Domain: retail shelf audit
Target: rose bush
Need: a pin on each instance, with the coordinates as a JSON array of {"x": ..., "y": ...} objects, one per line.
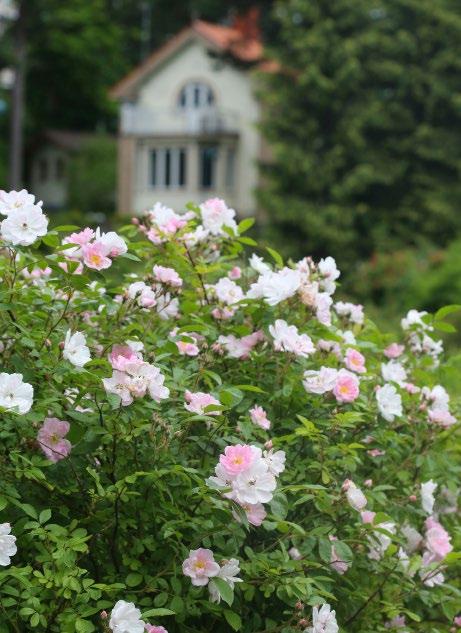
[{"x": 206, "y": 444}]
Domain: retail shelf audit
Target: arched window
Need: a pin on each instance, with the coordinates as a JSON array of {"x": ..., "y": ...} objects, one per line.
[{"x": 195, "y": 95}]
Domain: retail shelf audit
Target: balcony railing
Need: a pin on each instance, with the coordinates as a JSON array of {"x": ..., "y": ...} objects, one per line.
[{"x": 142, "y": 120}]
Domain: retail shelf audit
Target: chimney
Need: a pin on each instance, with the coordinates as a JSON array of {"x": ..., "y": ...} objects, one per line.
[{"x": 248, "y": 24}]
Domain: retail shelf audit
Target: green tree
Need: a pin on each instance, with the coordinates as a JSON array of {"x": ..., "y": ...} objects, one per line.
[{"x": 364, "y": 121}]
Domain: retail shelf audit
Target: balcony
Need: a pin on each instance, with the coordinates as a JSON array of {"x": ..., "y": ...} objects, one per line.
[{"x": 146, "y": 121}]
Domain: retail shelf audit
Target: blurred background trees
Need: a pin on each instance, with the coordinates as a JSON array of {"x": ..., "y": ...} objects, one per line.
[{"x": 365, "y": 123}]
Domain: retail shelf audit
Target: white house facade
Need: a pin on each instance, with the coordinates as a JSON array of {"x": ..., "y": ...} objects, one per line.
[{"x": 188, "y": 122}]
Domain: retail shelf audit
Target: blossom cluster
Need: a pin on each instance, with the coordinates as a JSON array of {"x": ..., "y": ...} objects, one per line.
[
  {"x": 333, "y": 448},
  {"x": 248, "y": 476}
]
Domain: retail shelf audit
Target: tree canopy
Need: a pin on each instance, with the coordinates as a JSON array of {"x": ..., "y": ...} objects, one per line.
[{"x": 364, "y": 121}]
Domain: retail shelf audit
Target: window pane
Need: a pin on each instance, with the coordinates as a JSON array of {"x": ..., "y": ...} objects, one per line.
[
  {"x": 153, "y": 168},
  {"x": 208, "y": 157},
  {"x": 167, "y": 168},
  {"x": 182, "y": 167}
]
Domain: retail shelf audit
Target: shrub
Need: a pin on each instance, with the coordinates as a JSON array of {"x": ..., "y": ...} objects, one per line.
[{"x": 214, "y": 446}]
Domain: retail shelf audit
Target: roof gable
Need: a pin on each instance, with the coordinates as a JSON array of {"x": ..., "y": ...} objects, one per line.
[{"x": 224, "y": 39}]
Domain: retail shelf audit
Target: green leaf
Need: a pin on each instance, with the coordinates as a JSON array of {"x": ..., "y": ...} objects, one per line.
[
  {"x": 45, "y": 515},
  {"x": 276, "y": 256},
  {"x": 443, "y": 326},
  {"x": 133, "y": 579},
  {"x": 446, "y": 310},
  {"x": 245, "y": 224},
  {"x": 225, "y": 590},
  {"x": 158, "y": 613},
  {"x": 233, "y": 619}
]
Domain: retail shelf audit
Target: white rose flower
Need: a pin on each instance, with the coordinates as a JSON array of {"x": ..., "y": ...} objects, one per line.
[
  {"x": 355, "y": 497},
  {"x": 389, "y": 402},
  {"x": 24, "y": 225},
  {"x": 258, "y": 264},
  {"x": 229, "y": 573},
  {"x": 126, "y": 618},
  {"x": 323, "y": 620},
  {"x": 320, "y": 381},
  {"x": 427, "y": 496},
  {"x": 227, "y": 291},
  {"x": 393, "y": 371},
  {"x": 255, "y": 485},
  {"x": 7, "y": 544},
  {"x": 75, "y": 349},
  {"x": 15, "y": 395},
  {"x": 13, "y": 200}
]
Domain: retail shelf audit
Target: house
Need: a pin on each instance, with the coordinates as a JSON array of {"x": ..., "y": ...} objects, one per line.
[
  {"x": 49, "y": 165},
  {"x": 188, "y": 120}
]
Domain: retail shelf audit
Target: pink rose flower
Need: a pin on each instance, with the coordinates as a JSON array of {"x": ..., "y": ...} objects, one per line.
[
  {"x": 167, "y": 276},
  {"x": 368, "y": 516},
  {"x": 123, "y": 356},
  {"x": 394, "y": 350},
  {"x": 355, "y": 361},
  {"x": 151, "y": 628},
  {"x": 339, "y": 565},
  {"x": 437, "y": 540},
  {"x": 441, "y": 417},
  {"x": 95, "y": 256},
  {"x": 235, "y": 273},
  {"x": 346, "y": 388},
  {"x": 255, "y": 513},
  {"x": 187, "y": 349},
  {"x": 197, "y": 402},
  {"x": 200, "y": 566},
  {"x": 259, "y": 416},
  {"x": 236, "y": 459},
  {"x": 51, "y": 438}
]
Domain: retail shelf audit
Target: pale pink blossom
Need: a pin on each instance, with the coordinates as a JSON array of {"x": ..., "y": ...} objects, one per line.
[
  {"x": 51, "y": 438},
  {"x": 259, "y": 417},
  {"x": 95, "y": 256},
  {"x": 235, "y": 273},
  {"x": 113, "y": 244},
  {"x": 367, "y": 516},
  {"x": 187, "y": 348},
  {"x": 437, "y": 540},
  {"x": 441, "y": 418},
  {"x": 199, "y": 401},
  {"x": 167, "y": 276},
  {"x": 255, "y": 513},
  {"x": 275, "y": 461},
  {"x": 339, "y": 565},
  {"x": 240, "y": 347},
  {"x": 346, "y": 387},
  {"x": 122, "y": 356},
  {"x": 200, "y": 566},
  {"x": 287, "y": 339},
  {"x": 355, "y": 361},
  {"x": 376, "y": 452},
  {"x": 238, "y": 458},
  {"x": 216, "y": 215},
  {"x": 394, "y": 350},
  {"x": 151, "y": 628}
]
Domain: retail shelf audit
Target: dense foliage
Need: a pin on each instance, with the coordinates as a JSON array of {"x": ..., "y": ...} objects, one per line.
[
  {"x": 364, "y": 119},
  {"x": 207, "y": 445}
]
